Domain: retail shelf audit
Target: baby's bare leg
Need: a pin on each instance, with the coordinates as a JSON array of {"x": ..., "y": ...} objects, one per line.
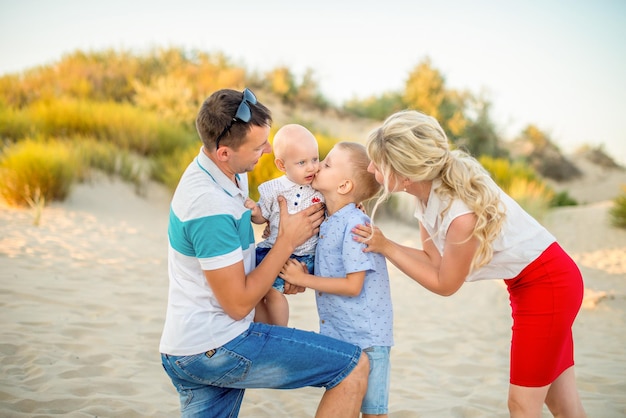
[{"x": 273, "y": 309}]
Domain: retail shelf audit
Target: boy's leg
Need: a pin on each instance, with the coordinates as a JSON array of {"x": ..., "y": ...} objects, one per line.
[{"x": 376, "y": 401}]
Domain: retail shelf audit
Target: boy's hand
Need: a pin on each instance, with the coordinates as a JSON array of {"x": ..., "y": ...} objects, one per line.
[{"x": 294, "y": 272}]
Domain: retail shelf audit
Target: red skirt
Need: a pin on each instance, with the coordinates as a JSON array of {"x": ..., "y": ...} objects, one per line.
[{"x": 545, "y": 299}]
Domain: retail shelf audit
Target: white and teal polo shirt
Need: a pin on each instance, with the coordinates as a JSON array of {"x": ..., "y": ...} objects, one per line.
[{"x": 209, "y": 228}]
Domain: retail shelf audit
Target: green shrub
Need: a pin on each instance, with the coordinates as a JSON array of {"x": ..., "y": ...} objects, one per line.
[
  {"x": 169, "y": 168},
  {"x": 35, "y": 171},
  {"x": 563, "y": 199},
  {"x": 534, "y": 196},
  {"x": 128, "y": 127},
  {"x": 617, "y": 213},
  {"x": 522, "y": 183},
  {"x": 13, "y": 123},
  {"x": 108, "y": 158}
]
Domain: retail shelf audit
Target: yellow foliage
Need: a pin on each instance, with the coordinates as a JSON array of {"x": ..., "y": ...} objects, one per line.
[{"x": 33, "y": 172}]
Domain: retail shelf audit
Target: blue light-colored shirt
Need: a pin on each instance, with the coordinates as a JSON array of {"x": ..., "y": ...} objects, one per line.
[{"x": 366, "y": 319}]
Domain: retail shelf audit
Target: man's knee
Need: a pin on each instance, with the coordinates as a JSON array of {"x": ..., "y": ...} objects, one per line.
[
  {"x": 364, "y": 364},
  {"x": 361, "y": 372}
]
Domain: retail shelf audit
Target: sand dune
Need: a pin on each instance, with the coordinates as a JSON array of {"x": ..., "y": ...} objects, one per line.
[{"x": 83, "y": 298}]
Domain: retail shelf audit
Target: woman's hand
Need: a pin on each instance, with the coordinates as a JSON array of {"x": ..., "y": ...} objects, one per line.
[{"x": 373, "y": 238}]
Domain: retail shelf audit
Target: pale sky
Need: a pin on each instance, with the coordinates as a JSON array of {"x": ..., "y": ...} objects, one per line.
[{"x": 558, "y": 64}]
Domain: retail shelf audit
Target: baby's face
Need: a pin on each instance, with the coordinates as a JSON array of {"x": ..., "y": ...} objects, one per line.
[{"x": 301, "y": 162}]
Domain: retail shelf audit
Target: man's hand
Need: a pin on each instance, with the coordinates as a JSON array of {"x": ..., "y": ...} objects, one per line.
[
  {"x": 296, "y": 228},
  {"x": 292, "y": 289}
]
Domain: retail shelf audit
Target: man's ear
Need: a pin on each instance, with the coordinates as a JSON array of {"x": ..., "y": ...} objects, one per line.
[
  {"x": 280, "y": 164},
  {"x": 345, "y": 187},
  {"x": 223, "y": 153}
]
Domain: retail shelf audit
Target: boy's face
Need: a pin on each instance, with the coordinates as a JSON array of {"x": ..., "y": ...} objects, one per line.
[
  {"x": 300, "y": 162},
  {"x": 333, "y": 172}
]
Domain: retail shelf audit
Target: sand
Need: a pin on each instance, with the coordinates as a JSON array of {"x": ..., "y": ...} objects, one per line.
[{"x": 83, "y": 299}]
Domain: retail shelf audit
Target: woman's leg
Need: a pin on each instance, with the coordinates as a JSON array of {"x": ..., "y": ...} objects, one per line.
[
  {"x": 526, "y": 402},
  {"x": 563, "y": 399}
]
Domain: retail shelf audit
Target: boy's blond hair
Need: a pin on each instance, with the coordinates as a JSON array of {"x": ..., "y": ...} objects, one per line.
[{"x": 365, "y": 184}]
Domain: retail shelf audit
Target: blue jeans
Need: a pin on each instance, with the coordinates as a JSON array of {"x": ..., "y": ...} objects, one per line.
[
  {"x": 279, "y": 284},
  {"x": 212, "y": 384},
  {"x": 376, "y": 399}
]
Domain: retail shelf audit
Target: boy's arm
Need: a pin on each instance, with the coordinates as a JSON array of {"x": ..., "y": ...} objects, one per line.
[
  {"x": 239, "y": 293},
  {"x": 351, "y": 285}
]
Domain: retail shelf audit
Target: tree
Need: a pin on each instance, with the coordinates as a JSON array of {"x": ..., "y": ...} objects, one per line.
[{"x": 424, "y": 89}]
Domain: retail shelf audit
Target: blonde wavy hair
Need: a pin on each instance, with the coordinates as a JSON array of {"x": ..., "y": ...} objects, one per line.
[{"x": 412, "y": 145}]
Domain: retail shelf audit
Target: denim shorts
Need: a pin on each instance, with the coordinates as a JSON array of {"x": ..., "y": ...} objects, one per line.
[
  {"x": 376, "y": 399},
  {"x": 279, "y": 284},
  {"x": 264, "y": 356}
]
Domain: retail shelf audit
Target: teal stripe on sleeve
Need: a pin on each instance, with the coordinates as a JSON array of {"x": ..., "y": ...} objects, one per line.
[{"x": 210, "y": 236}]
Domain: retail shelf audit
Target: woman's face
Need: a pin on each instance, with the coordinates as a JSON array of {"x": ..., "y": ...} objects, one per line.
[{"x": 393, "y": 185}]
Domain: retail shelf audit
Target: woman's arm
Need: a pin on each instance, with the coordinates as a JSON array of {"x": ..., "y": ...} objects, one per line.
[{"x": 442, "y": 274}]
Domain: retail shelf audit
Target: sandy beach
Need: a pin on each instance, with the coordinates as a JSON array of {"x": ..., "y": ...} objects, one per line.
[{"x": 83, "y": 299}]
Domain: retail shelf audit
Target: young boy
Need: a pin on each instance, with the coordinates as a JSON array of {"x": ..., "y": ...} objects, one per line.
[
  {"x": 297, "y": 155},
  {"x": 352, "y": 286}
]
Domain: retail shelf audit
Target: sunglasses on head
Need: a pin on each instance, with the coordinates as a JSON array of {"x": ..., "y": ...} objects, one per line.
[{"x": 243, "y": 114}]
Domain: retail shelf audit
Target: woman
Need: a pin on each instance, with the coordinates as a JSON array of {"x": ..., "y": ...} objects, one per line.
[{"x": 471, "y": 230}]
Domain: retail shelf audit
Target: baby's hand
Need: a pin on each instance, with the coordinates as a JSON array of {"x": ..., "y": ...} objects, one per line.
[
  {"x": 250, "y": 204},
  {"x": 256, "y": 215}
]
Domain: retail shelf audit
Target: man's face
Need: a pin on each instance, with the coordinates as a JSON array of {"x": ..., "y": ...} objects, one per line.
[{"x": 255, "y": 144}]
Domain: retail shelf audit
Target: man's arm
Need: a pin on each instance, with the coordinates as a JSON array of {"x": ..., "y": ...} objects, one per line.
[{"x": 239, "y": 293}]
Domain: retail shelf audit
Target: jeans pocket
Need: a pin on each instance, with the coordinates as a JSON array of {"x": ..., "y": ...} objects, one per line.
[{"x": 223, "y": 369}]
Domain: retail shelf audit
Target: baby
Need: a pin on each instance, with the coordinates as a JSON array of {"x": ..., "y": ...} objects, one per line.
[{"x": 297, "y": 155}]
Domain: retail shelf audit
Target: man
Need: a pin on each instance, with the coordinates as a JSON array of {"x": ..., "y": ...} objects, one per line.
[{"x": 211, "y": 348}]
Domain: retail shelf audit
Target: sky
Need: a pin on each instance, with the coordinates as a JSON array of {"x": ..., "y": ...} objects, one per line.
[{"x": 557, "y": 64}]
